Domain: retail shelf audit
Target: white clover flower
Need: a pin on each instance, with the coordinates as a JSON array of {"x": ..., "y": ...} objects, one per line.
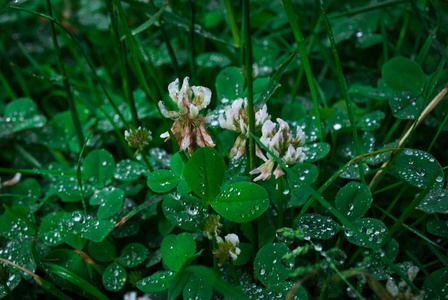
[
  {"x": 189, "y": 126},
  {"x": 227, "y": 249},
  {"x": 281, "y": 143},
  {"x": 237, "y": 119}
]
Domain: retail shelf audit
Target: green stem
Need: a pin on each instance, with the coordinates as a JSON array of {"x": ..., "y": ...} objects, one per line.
[
  {"x": 250, "y": 91},
  {"x": 214, "y": 245},
  {"x": 289, "y": 9},
  {"x": 192, "y": 40},
  {"x": 234, "y": 275},
  {"x": 344, "y": 88},
  {"x": 70, "y": 100},
  {"x": 280, "y": 201},
  {"x": 147, "y": 163},
  {"x": 233, "y": 26}
]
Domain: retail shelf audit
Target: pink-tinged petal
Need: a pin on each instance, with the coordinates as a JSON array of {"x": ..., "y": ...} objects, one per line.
[
  {"x": 260, "y": 154},
  {"x": 13, "y": 181},
  {"x": 207, "y": 138},
  {"x": 166, "y": 113},
  {"x": 278, "y": 172},
  {"x": 184, "y": 97},
  {"x": 185, "y": 143},
  {"x": 239, "y": 148},
  {"x": 265, "y": 170}
]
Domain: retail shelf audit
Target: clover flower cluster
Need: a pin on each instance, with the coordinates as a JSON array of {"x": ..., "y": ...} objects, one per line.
[
  {"x": 189, "y": 126},
  {"x": 280, "y": 141},
  {"x": 138, "y": 138},
  {"x": 403, "y": 290},
  {"x": 227, "y": 248}
]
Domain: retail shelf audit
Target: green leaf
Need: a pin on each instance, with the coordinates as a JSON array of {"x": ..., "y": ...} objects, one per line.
[
  {"x": 177, "y": 164},
  {"x": 318, "y": 226},
  {"x": 419, "y": 168},
  {"x": 304, "y": 173},
  {"x": 198, "y": 288},
  {"x": 245, "y": 255},
  {"x": 353, "y": 200},
  {"x": 52, "y": 231},
  {"x": 403, "y": 74},
  {"x": 269, "y": 265},
  {"x": 177, "y": 249},
  {"x": 128, "y": 170},
  {"x": 110, "y": 201},
  {"x": 367, "y": 91},
  {"x": 374, "y": 229},
  {"x": 23, "y": 114},
  {"x": 436, "y": 285},
  {"x": 438, "y": 227},
  {"x": 218, "y": 284},
  {"x": 186, "y": 211},
  {"x": 162, "y": 181},
  {"x": 27, "y": 191},
  {"x": 103, "y": 251},
  {"x": 281, "y": 290},
  {"x": 95, "y": 230},
  {"x": 317, "y": 151},
  {"x": 133, "y": 255},
  {"x": 352, "y": 171},
  {"x": 230, "y": 84},
  {"x": 371, "y": 121},
  {"x": 99, "y": 167},
  {"x": 17, "y": 223},
  {"x": 241, "y": 202},
  {"x": 406, "y": 105},
  {"x": 157, "y": 282},
  {"x": 436, "y": 201},
  {"x": 212, "y": 60},
  {"x": 310, "y": 127},
  {"x": 114, "y": 277},
  {"x": 204, "y": 172}
]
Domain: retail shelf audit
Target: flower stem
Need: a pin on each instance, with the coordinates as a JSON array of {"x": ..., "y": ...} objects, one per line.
[
  {"x": 147, "y": 163},
  {"x": 215, "y": 261},
  {"x": 250, "y": 92},
  {"x": 280, "y": 201},
  {"x": 233, "y": 271},
  {"x": 65, "y": 81}
]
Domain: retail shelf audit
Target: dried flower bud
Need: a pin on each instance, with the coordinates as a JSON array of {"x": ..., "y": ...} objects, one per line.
[
  {"x": 391, "y": 287},
  {"x": 138, "y": 138},
  {"x": 211, "y": 227}
]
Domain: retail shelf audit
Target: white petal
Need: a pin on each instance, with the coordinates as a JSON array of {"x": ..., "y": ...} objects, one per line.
[
  {"x": 202, "y": 96},
  {"x": 173, "y": 89},
  {"x": 164, "y": 135},
  {"x": 232, "y": 238},
  {"x": 194, "y": 111}
]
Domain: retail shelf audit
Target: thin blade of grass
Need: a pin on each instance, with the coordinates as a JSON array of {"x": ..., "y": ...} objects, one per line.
[
  {"x": 289, "y": 9},
  {"x": 273, "y": 82},
  {"x": 344, "y": 88}
]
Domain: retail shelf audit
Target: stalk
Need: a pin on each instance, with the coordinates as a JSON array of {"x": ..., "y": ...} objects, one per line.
[
  {"x": 280, "y": 201},
  {"x": 70, "y": 100}
]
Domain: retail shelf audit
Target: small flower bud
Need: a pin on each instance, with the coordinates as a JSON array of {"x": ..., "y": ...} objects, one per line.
[
  {"x": 227, "y": 249},
  {"x": 391, "y": 287},
  {"x": 211, "y": 227},
  {"x": 138, "y": 138}
]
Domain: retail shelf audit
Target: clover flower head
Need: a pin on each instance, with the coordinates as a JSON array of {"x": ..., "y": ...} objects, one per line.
[
  {"x": 189, "y": 125},
  {"x": 237, "y": 119},
  {"x": 281, "y": 142},
  {"x": 227, "y": 249},
  {"x": 138, "y": 138},
  {"x": 211, "y": 227}
]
